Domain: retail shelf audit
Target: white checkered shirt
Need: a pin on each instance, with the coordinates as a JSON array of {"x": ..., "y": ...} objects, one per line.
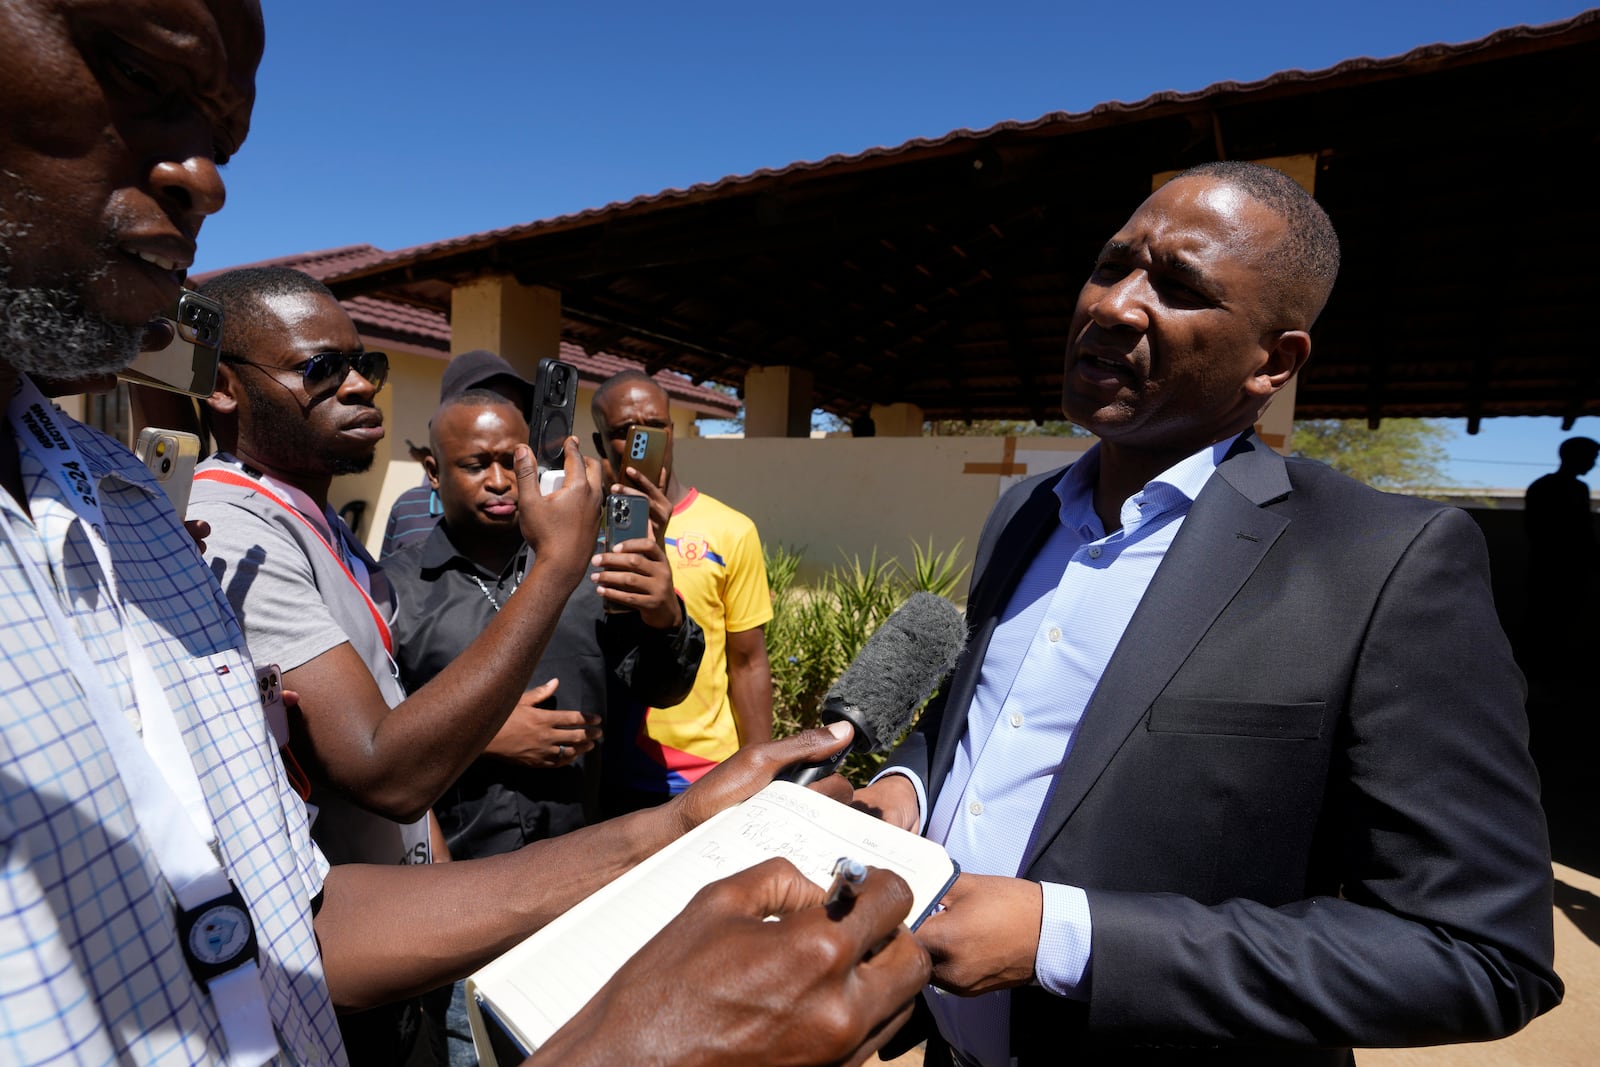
[{"x": 90, "y": 968}]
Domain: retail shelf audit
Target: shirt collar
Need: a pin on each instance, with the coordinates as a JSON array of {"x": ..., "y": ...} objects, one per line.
[
  {"x": 439, "y": 553},
  {"x": 1178, "y": 485}
]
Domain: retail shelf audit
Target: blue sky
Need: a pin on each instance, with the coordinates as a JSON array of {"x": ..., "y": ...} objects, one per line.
[{"x": 397, "y": 122}]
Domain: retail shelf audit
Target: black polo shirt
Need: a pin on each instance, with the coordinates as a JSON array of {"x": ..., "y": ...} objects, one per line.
[{"x": 602, "y": 660}]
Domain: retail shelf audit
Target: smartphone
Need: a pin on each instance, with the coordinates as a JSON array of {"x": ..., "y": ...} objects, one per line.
[
  {"x": 627, "y": 517},
  {"x": 188, "y": 363},
  {"x": 644, "y": 449},
  {"x": 170, "y": 455},
  {"x": 269, "y": 680},
  {"x": 555, "y": 404}
]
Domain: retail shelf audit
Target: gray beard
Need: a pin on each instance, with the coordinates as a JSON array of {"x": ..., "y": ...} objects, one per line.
[{"x": 49, "y": 333}]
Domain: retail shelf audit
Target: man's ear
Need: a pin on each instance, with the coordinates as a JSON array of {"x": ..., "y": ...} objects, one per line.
[
  {"x": 430, "y": 467},
  {"x": 600, "y": 446},
  {"x": 224, "y": 398},
  {"x": 1285, "y": 355}
]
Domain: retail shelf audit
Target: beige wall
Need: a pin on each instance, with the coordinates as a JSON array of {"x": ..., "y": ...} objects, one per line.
[
  {"x": 407, "y": 402},
  {"x": 846, "y": 494},
  {"x": 826, "y": 496}
]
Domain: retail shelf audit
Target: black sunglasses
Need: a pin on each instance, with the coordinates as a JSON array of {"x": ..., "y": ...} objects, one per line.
[{"x": 329, "y": 368}]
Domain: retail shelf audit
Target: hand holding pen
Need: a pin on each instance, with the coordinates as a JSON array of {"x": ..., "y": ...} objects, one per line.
[
  {"x": 814, "y": 987},
  {"x": 848, "y": 877}
]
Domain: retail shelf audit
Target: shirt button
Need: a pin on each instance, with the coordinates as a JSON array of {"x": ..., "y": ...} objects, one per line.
[
  {"x": 976, "y": 807},
  {"x": 1094, "y": 552},
  {"x": 1054, "y": 635},
  {"x": 1016, "y": 718}
]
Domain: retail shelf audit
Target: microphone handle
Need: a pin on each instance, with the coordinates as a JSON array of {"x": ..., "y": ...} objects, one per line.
[{"x": 806, "y": 773}]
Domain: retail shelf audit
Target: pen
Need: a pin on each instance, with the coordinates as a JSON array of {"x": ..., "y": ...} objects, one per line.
[{"x": 848, "y": 875}]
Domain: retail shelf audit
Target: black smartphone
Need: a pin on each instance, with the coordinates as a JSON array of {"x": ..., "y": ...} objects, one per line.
[
  {"x": 627, "y": 518},
  {"x": 555, "y": 404},
  {"x": 188, "y": 362},
  {"x": 645, "y": 449}
]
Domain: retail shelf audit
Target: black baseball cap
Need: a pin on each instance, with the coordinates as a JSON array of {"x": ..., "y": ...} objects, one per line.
[{"x": 481, "y": 368}]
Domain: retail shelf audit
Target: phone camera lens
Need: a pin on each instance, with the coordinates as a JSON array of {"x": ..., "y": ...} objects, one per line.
[{"x": 166, "y": 466}]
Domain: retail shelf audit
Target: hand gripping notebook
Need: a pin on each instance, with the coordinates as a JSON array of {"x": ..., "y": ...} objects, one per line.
[{"x": 518, "y": 1000}]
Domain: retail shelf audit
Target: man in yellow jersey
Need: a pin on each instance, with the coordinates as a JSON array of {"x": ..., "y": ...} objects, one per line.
[{"x": 718, "y": 570}]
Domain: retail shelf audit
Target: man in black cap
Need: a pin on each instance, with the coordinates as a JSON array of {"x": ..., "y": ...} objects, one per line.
[{"x": 416, "y": 511}]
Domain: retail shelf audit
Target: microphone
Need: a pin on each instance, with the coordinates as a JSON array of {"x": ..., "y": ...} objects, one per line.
[{"x": 896, "y": 670}]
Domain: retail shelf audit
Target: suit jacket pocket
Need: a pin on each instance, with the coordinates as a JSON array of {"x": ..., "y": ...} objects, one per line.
[{"x": 1191, "y": 715}]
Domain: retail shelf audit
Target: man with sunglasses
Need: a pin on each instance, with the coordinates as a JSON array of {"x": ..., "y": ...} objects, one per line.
[{"x": 295, "y": 405}]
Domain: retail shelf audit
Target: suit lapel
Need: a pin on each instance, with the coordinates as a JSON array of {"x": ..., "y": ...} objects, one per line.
[
  {"x": 1222, "y": 540},
  {"x": 994, "y": 579}
]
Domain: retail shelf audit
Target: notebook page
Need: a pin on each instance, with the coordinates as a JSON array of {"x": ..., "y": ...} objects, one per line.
[{"x": 540, "y": 984}]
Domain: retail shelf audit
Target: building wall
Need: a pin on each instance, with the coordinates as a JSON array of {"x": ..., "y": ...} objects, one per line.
[{"x": 839, "y": 497}]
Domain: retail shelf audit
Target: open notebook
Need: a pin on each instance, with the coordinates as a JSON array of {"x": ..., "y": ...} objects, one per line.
[{"x": 518, "y": 1000}]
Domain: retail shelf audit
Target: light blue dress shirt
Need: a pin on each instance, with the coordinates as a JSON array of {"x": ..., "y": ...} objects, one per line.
[{"x": 1048, "y": 651}]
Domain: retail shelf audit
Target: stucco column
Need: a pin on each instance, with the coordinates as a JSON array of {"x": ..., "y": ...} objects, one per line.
[
  {"x": 897, "y": 420},
  {"x": 521, "y": 323},
  {"x": 777, "y": 402}
]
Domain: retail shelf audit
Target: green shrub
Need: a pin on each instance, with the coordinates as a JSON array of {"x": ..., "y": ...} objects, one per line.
[{"x": 817, "y": 630}]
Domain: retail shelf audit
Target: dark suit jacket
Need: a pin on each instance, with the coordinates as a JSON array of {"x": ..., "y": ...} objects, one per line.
[{"x": 1301, "y": 801}]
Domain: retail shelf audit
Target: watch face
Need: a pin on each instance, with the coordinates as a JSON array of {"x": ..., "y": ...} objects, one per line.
[{"x": 220, "y": 934}]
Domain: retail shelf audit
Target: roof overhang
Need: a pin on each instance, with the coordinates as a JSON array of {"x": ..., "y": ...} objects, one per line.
[{"x": 942, "y": 272}]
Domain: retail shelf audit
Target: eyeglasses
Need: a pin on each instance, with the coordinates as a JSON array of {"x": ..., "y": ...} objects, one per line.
[{"x": 328, "y": 369}]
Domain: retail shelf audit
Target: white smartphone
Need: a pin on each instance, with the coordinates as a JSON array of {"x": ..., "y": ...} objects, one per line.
[
  {"x": 270, "y": 680},
  {"x": 170, "y": 455}
]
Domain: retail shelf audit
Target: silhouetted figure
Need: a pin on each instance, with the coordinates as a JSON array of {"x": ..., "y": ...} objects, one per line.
[{"x": 1562, "y": 559}]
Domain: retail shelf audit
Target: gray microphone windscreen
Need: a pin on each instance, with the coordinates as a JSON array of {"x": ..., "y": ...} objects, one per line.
[{"x": 898, "y": 668}]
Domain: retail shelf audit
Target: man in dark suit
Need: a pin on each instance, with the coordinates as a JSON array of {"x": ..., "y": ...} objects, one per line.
[{"x": 1236, "y": 763}]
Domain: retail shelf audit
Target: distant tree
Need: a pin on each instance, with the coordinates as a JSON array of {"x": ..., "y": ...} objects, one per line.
[
  {"x": 1003, "y": 428},
  {"x": 1401, "y": 455}
]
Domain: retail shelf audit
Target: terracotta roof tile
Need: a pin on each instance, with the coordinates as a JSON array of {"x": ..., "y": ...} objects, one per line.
[{"x": 427, "y": 329}]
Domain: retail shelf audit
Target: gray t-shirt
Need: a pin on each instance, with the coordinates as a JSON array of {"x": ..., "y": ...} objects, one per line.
[{"x": 296, "y": 600}]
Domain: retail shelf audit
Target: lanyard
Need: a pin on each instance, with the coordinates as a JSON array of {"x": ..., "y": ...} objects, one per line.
[
  {"x": 233, "y": 478},
  {"x": 158, "y": 773}
]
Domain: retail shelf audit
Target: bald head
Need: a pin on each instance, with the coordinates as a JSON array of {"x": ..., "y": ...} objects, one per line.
[
  {"x": 618, "y": 385},
  {"x": 475, "y": 398}
]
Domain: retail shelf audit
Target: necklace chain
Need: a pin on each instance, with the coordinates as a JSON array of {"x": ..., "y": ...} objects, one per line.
[
  {"x": 486, "y": 594},
  {"x": 484, "y": 589}
]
